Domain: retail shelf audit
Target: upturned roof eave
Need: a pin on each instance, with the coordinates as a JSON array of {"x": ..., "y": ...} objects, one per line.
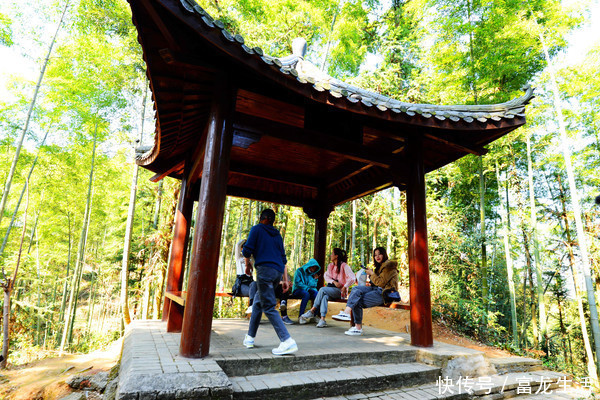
[{"x": 331, "y": 91}]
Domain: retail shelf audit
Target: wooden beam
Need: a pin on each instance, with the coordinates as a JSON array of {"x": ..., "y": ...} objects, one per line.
[
  {"x": 273, "y": 175},
  {"x": 478, "y": 151},
  {"x": 346, "y": 172},
  {"x": 260, "y": 195},
  {"x": 161, "y": 175},
  {"x": 268, "y": 108},
  {"x": 185, "y": 61},
  {"x": 166, "y": 32},
  {"x": 318, "y": 140},
  {"x": 364, "y": 188},
  {"x": 393, "y": 133}
]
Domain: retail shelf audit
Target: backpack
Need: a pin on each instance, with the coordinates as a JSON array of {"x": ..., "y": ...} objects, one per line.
[{"x": 240, "y": 280}]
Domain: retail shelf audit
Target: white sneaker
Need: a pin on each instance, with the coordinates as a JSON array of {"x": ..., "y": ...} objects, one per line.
[
  {"x": 308, "y": 314},
  {"x": 342, "y": 316},
  {"x": 288, "y": 346},
  {"x": 354, "y": 332},
  {"x": 302, "y": 320},
  {"x": 249, "y": 310},
  {"x": 248, "y": 341},
  {"x": 322, "y": 324}
]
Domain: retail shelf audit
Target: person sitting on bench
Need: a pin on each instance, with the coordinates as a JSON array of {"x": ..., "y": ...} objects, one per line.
[
  {"x": 243, "y": 281},
  {"x": 305, "y": 283},
  {"x": 339, "y": 277},
  {"x": 384, "y": 278}
]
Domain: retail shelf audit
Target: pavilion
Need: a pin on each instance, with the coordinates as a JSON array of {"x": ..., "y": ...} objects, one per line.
[{"x": 231, "y": 120}]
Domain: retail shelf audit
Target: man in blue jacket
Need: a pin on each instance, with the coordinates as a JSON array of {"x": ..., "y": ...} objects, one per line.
[{"x": 266, "y": 245}]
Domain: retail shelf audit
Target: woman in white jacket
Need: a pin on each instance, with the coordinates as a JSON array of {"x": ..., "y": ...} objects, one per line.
[{"x": 339, "y": 277}]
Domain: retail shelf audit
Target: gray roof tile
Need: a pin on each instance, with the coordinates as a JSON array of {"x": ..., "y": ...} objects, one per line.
[{"x": 307, "y": 73}]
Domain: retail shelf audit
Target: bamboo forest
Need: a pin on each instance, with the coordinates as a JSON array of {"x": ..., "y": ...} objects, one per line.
[{"x": 513, "y": 234}]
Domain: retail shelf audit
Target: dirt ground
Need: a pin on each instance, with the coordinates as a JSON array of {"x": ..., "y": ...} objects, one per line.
[{"x": 45, "y": 379}]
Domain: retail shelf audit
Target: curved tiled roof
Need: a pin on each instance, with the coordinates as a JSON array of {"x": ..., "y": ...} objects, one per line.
[
  {"x": 307, "y": 74},
  {"x": 187, "y": 51}
]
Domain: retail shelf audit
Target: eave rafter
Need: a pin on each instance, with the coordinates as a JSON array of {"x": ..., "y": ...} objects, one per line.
[{"x": 318, "y": 140}]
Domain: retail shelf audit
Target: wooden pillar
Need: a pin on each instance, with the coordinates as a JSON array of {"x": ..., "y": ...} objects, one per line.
[
  {"x": 421, "y": 333},
  {"x": 197, "y": 321},
  {"x": 320, "y": 214},
  {"x": 173, "y": 312}
]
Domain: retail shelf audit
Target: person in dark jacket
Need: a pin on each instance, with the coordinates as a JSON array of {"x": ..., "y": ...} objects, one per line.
[
  {"x": 266, "y": 245},
  {"x": 305, "y": 283}
]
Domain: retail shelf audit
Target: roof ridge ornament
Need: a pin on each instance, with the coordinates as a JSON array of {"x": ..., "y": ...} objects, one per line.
[{"x": 299, "y": 47}]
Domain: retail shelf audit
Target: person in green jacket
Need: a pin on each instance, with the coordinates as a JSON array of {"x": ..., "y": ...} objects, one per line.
[{"x": 305, "y": 283}]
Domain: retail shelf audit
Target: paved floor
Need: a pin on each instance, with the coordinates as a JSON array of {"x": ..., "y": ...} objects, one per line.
[
  {"x": 154, "y": 343},
  {"x": 151, "y": 367}
]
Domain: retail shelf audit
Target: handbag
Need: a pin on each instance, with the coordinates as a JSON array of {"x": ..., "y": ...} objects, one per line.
[
  {"x": 240, "y": 280},
  {"x": 390, "y": 296}
]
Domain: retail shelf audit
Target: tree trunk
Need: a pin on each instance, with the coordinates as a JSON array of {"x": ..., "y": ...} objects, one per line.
[
  {"x": 35, "y": 223},
  {"x": 591, "y": 365},
  {"x": 567, "y": 352},
  {"x": 8, "y": 287},
  {"x": 14, "y": 216},
  {"x": 91, "y": 301},
  {"x": 158, "y": 203},
  {"x": 72, "y": 307},
  {"x": 66, "y": 285},
  {"x": 39, "y": 288},
  {"x": 146, "y": 297},
  {"x": 224, "y": 233},
  {"x": 375, "y": 221},
  {"x": 581, "y": 238},
  {"x": 129, "y": 226},
  {"x": 294, "y": 254},
  {"x": 483, "y": 272},
  {"x": 284, "y": 222},
  {"x": 5, "y": 325},
  {"x": 127, "y": 247},
  {"x": 13, "y": 166},
  {"x": 543, "y": 338},
  {"x": 509, "y": 264}
]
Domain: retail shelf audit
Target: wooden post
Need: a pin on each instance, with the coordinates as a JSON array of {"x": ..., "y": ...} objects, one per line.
[
  {"x": 320, "y": 214},
  {"x": 421, "y": 333},
  {"x": 197, "y": 320},
  {"x": 321, "y": 244},
  {"x": 173, "y": 312}
]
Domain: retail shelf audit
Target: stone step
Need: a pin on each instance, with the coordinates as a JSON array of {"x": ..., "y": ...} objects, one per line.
[
  {"x": 515, "y": 364},
  {"x": 560, "y": 394},
  {"x": 340, "y": 381},
  {"x": 431, "y": 392},
  {"x": 548, "y": 385},
  {"x": 427, "y": 391},
  {"x": 246, "y": 363}
]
